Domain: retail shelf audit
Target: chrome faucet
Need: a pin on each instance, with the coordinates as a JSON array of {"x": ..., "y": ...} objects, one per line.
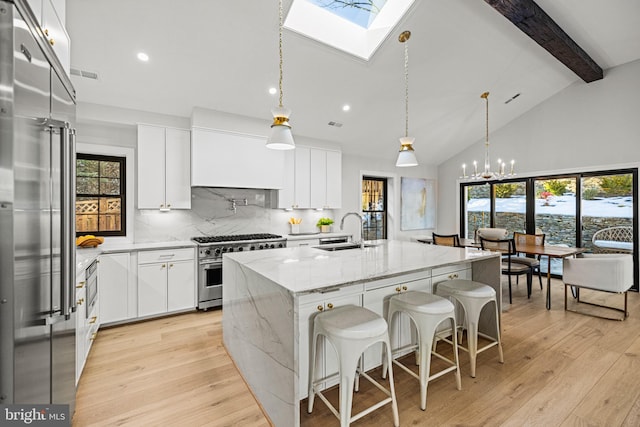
[{"x": 361, "y": 225}]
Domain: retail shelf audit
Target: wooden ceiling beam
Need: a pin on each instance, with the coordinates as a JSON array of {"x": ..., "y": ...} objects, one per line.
[{"x": 534, "y": 22}]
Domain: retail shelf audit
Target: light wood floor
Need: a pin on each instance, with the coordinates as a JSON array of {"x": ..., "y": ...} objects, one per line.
[{"x": 561, "y": 369}]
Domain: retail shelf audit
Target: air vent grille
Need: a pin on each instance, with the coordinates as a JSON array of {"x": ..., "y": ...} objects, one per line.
[{"x": 84, "y": 73}]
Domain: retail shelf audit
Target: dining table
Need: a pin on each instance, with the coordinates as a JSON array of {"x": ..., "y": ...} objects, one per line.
[{"x": 550, "y": 251}]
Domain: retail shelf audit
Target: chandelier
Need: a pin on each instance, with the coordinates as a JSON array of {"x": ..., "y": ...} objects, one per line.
[
  {"x": 280, "y": 137},
  {"x": 487, "y": 173},
  {"x": 406, "y": 156}
]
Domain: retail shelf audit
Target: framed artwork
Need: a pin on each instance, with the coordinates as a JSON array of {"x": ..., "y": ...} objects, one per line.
[{"x": 417, "y": 204}]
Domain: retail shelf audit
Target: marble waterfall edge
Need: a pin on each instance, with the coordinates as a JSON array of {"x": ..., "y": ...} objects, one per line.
[{"x": 257, "y": 315}]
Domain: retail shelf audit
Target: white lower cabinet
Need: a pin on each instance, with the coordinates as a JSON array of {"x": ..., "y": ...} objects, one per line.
[
  {"x": 115, "y": 290},
  {"x": 87, "y": 324},
  {"x": 442, "y": 274},
  {"x": 326, "y": 362},
  {"x": 166, "y": 281},
  {"x": 80, "y": 324},
  {"x": 377, "y": 300}
]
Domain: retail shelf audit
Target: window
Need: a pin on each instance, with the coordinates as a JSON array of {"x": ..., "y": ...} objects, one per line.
[
  {"x": 569, "y": 208},
  {"x": 374, "y": 207},
  {"x": 100, "y": 195}
]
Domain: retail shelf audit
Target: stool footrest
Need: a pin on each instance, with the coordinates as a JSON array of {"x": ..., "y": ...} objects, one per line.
[
  {"x": 438, "y": 374},
  {"x": 404, "y": 349},
  {"x": 493, "y": 343},
  {"x": 361, "y": 414}
]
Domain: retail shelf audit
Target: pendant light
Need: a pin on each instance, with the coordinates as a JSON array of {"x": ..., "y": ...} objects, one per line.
[
  {"x": 486, "y": 173},
  {"x": 406, "y": 156},
  {"x": 280, "y": 137}
]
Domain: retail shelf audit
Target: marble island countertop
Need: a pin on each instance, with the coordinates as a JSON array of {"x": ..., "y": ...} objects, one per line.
[{"x": 308, "y": 269}]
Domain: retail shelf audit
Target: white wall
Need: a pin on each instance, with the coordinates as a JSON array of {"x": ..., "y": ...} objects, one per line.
[
  {"x": 355, "y": 167},
  {"x": 593, "y": 126},
  {"x": 109, "y": 126}
]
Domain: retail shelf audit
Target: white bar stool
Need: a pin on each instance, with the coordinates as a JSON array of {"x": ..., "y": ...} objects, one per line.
[
  {"x": 473, "y": 296},
  {"x": 350, "y": 330},
  {"x": 426, "y": 312}
]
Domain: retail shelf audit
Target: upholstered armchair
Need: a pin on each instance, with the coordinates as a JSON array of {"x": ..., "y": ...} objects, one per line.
[{"x": 611, "y": 273}]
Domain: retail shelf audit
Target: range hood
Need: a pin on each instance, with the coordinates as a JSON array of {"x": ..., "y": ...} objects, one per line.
[{"x": 234, "y": 160}]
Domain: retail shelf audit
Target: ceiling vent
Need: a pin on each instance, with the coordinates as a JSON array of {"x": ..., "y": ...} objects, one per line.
[
  {"x": 512, "y": 98},
  {"x": 335, "y": 124},
  {"x": 84, "y": 73}
]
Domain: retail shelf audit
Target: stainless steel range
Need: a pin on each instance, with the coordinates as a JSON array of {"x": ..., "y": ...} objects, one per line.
[{"x": 210, "y": 251}]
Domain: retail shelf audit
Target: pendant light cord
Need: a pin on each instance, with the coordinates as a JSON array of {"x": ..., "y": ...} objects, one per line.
[
  {"x": 406, "y": 87},
  {"x": 280, "y": 51},
  {"x": 486, "y": 98}
]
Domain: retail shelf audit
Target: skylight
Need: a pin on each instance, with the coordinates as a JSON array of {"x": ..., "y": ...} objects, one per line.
[
  {"x": 359, "y": 12},
  {"x": 357, "y": 27}
]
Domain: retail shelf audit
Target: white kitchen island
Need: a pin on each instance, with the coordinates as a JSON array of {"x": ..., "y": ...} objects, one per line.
[{"x": 269, "y": 299}]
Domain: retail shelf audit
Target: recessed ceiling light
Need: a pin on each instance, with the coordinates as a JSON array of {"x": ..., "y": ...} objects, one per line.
[
  {"x": 346, "y": 107},
  {"x": 143, "y": 56},
  {"x": 273, "y": 90}
]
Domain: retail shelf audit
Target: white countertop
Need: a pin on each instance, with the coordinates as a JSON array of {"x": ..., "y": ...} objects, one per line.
[
  {"x": 307, "y": 269},
  {"x": 315, "y": 235},
  {"x": 85, "y": 256}
]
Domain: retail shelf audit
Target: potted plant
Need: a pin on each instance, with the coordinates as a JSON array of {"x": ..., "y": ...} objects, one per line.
[{"x": 324, "y": 224}]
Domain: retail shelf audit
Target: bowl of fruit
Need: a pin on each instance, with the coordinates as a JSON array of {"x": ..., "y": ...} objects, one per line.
[{"x": 89, "y": 241}]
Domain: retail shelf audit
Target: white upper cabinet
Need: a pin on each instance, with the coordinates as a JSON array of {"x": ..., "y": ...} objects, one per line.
[
  {"x": 163, "y": 168},
  {"x": 302, "y": 178},
  {"x": 317, "y": 180},
  {"x": 50, "y": 15},
  {"x": 334, "y": 179},
  {"x": 227, "y": 159}
]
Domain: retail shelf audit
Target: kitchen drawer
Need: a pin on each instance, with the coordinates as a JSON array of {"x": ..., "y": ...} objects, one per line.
[
  {"x": 330, "y": 293},
  {"x": 449, "y": 269},
  {"x": 165, "y": 255}
]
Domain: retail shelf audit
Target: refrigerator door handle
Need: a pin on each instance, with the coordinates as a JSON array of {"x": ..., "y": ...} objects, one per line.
[{"x": 67, "y": 287}]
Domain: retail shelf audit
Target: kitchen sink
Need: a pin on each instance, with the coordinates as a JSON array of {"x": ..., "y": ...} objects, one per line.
[{"x": 343, "y": 246}]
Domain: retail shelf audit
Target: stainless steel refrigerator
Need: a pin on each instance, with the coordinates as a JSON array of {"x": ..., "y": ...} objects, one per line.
[{"x": 37, "y": 230}]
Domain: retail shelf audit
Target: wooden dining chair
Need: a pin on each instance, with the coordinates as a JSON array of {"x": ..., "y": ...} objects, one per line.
[
  {"x": 532, "y": 261},
  {"x": 508, "y": 249},
  {"x": 446, "y": 239}
]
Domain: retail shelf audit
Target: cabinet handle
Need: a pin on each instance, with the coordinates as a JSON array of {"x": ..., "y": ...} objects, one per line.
[
  {"x": 404, "y": 288},
  {"x": 80, "y": 301},
  {"x": 164, "y": 266},
  {"x": 329, "y": 306},
  {"x": 398, "y": 289},
  {"x": 170, "y": 265},
  {"x": 320, "y": 308},
  {"x": 46, "y": 32},
  {"x": 93, "y": 336},
  {"x": 453, "y": 276},
  {"x": 52, "y": 42},
  {"x": 168, "y": 206},
  {"x": 93, "y": 320},
  {"x": 162, "y": 206},
  {"x": 80, "y": 285}
]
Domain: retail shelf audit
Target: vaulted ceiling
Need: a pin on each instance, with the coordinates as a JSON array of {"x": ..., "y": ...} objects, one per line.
[{"x": 224, "y": 56}]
